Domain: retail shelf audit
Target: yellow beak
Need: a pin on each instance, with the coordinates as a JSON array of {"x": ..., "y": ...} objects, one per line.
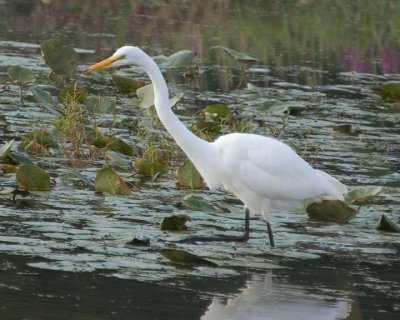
[{"x": 102, "y": 64}]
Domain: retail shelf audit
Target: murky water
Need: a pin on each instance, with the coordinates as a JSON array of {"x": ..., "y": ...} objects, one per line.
[{"x": 65, "y": 253}]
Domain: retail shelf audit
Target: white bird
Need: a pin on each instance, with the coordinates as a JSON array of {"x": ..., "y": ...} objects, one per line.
[{"x": 264, "y": 173}]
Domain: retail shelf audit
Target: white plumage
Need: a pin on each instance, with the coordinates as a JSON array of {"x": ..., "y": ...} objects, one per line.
[{"x": 264, "y": 173}]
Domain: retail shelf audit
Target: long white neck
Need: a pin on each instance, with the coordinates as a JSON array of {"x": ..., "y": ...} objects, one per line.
[{"x": 200, "y": 152}]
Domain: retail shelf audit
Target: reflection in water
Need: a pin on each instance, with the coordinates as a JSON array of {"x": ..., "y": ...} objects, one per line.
[{"x": 262, "y": 298}]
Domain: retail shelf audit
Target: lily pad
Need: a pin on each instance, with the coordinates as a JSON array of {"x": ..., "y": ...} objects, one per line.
[
  {"x": 188, "y": 176},
  {"x": 60, "y": 57},
  {"x": 40, "y": 136},
  {"x": 193, "y": 202},
  {"x": 127, "y": 84},
  {"x": 73, "y": 91},
  {"x": 145, "y": 95},
  {"x": 81, "y": 177},
  {"x": 363, "y": 196},
  {"x": 242, "y": 58},
  {"x": 19, "y": 159},
  {"x": 183, "y": 257},
  {"x": 150, "y": 167},
  {"x": 100, "y": 105},
  {"x": 46, "y": 100},
  {"x": 21, "y": 75},
  {"x": 208, "y": 126},
  {"x": 108, "y": 181},
  {"x": 5, "y": 149},
  {"x": 175, "y": 222},
  {"x": 217, "y": 111},
  {"x": 389, "y": 91},
  {"x": 385, "y": 224},
  {"x": 331, "y": 210},
  {"x": 114, "y": 144},
  {"x": 8, "y": 168},
  {"x": 32, "y": 178},
  {"x": 118, "y": 159},
  {"x": 177, "y": 60}
]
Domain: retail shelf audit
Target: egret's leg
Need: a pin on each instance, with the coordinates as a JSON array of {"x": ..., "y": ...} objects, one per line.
[
  {"x": 242, "y": 238},
  {"x": 270, "y": 235}
]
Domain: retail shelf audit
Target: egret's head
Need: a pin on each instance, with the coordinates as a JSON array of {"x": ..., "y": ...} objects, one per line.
[{"x": 123, "y": 56}]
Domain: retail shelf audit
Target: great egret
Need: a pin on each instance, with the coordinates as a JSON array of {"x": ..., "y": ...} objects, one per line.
[{"x": 264, "y": 173}]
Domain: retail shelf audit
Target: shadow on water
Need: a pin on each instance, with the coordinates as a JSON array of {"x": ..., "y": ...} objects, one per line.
[{"x": 65, "y": 254}]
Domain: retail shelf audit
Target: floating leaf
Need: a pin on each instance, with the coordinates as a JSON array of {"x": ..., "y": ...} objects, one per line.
[
  {"x": 331, "y": 210},
  {"x": 81, "y": 177},
  {"x": 177, "y": 60},
  {"x": 100, "y": 105},
  {"x": 217, "y": 111},
  {"x": 208, "y": 126},
  {"x": 175, "y": 222},
  {"x": 46, "y": 99},
  {"x": 72, "y": 91},
  {"x": 5, "y": 150},
  {"x": 118, "y": 159},
  {"x": 32, "y": 178},
  {"x": 114, "y": 144},
  {"x": 343, "y": 128},
  {"x": 149, "y": 168},
  {"x": 385, "y": 224},
  {"x": 127, "y": 84},
  {"x": 139, "y": 242},
  {"x": 40, "y": 136},
  {"x": 21, "y": 75},
  {"x": 363, "y": 196},
  {"x": 183, "y": 257},
  {"x": 389, "y": 91},
  {"x": 19, "y": 159},
  {"x": 193, "y": 202},
  {"x": 145, "y": 95},
  {"x": 8, "y": 168},
  {"x": 60, "y": 57},
  {"x": 108, "y": 181},
  {"x": 240, "y": 57},
  {"x": 188, "y": 176}
]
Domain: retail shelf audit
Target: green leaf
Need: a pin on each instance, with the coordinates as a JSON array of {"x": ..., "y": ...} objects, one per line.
[
  {"x": 118, "y": 159},
  {"x": 389, "y": 91},
  {"x": 188, "y": 176},
  {"x": 150, "y": 168},
  {"x": 208, "y": 126},
  {"x": 183, "y": 257},
  {"x": 177, "y": 60},
  {"x": 8, "y": 168},
  {"x": 108, "y": 181},
  {"x": 175, "y": 222},
  {"x": 385, "y": 224},
  {"x": 60, "y": 57},
  {"x": 5, "y": 150},
  {"x": 114, "y": 144},
  {"x": 81, "y": 177},
  {"x": 46, "y": 100},
  {"x": 331, "y": 210},
  {"x": 19, "y": 159},
  {"x": 145, "y": 95},
  {"x": 21, "y": 75},
  {"x": 242, "y": 58},
  {"x": 127, "y": 84},
  {"x": 32, "y": 178},
  {"x": 40, "y": 136},
  {"x": 101, "y": 105},
  {"x": 217, "y": 111},
  {"x": 193, "y": 202},
  {"x": 363, "y": 196}
]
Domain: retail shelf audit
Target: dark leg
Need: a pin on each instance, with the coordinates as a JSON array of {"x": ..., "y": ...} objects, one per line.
[
  {"x": 271, "y": 237},
  {"x": 242, "y": 238}
]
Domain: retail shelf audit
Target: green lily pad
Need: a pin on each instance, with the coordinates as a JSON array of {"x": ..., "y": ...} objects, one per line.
[
  {"x": 175, "y": 222},
  {"x": 19, "y": 159},
  {"x": 60, "y": 57},
  {"x": 108, "y": 181},
  {"x": 114, "y": 144},
  {"x": 331, "y": 210},
  {"x": 81, "y": 177},
  {"x": 118, "y": 159},
  {"x": 217, "y": 111},
  {"x": 389, "y": 91},
  {"x": 21, "y": 75},
  {"x": 127, "y": 84},
  {"x": 32, "y": 178},
  {"x": 5, "y": 149},
  {"x": 177, "y": 60},
  {"x": 188, "y": 176},
  {"x": 46, "y": 100},
  {"x": 208, "y": 126},
  {"x": 183, "y": 257},
  {"x": 242, "y": 58},
  {"x": 145, "y": 95},
  {"x": 72, "y": 91},
  {"x": 100, "y": 105},
  {"x": 8, "y": 168},
  {"x": 193, "y": 202},
  {"x": 150, "y": 167},
  {"x": 385, "y": 224},
  {"x": 363, "y": 196}
]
